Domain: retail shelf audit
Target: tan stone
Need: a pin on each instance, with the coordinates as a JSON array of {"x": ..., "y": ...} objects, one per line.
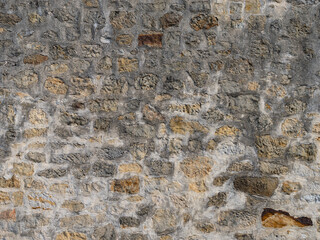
[
  {"x": 2, "y": 30},
  {"x": 198, "y": 187},
  {"x": 17, "y": 198},
  {"x": 31, "y": 183},
  {"x": 35, "y": 59},
  {"x": 191, "y": 109},
  {"x": 35, "y": 18},
  {"x": 181, "y": 126},
  {"x": 56, "y": 86},
  {"x": 130, "y": 167},
  {"x": 292, "y": 127},
  {"x": 278, "y": 219},
  {"x": 291, "y": 187},
  {"x": 73, "y": 205},
  {"x": 41, "y": 200},
  {"x": 227, "y": 131},
  {"x": 316, "y": 128},
  {"x": 197, "y": 167},
  {"x": 24, "y": 169},
  {"x": 25, "y": 79},
  {"x": 71, "y": 236},
  {"x": 150, "y": 40},
  {"x": 59, "y": 188},
  {"x": 8, "y": 215},
  {"x": 252, "y": 6},
  {"x": 271, "y": 147},
  {"x": 91, "y": 3},
  {"x": 151, "y": 114},
  {"x": 57, "y": 68},
  {"x": 35, "y": 132},
  {"x": 13, "y": 182},
  {"x": 127, "y": 65},
  {"x": 124, "y": 39},
  {"x": 37, "y": 145},
  {"x": 4, "y": 198},
  {"x": 128, "y": 185},
  {"x": 38, "y": 116},
  {"x": 253, "y": 86},
  {"x": 276, "y": 91},
  {"x": 211, "y": 146},
  {"x": 78, "y": 221}
]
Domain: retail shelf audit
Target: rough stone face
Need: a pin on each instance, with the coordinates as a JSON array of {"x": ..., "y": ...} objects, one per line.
[
  {"x": 181, "y": 126},
  {"x": 170, "y": 19},
  {"x": 35, "y": 59},
  {"x": 127, "y": 65},
  {"x": 71, "y": 236},
  {"x": 164, "y": 221},
  {"x": 261, "y": 186},
  {"x": 303, "y": 152},
  {"x": 160, "y": 168},
  {"x": 218, "y": 200},
  {"x": 56, "y": 86},
  {"x": 38, "y": 116},
  {"x": 128, "y": 185},
  {"x": 278, "y": 219},
  {"x": 237, "y": 218},
  {"x": 105, "y": 232},
  {"x": 270, "y": 147},
  {"x": 122, "y": 19},
  {"x": 198, "y": 167},
  {"x": 290, "y": 187},
  {"x": 203, "y": 21},
  {"x": 150, "y": 40},
  {"x": 9, "y": 19}
]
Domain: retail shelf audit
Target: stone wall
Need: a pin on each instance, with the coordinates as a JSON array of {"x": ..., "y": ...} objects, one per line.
[{"x": 163, "y": 119}]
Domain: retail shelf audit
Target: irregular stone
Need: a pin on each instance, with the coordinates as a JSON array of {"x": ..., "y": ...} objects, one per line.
[
  {"x": 53, "y": 173},
  {"x": 69, "y": 15},
  {"x": 134, "y": 236},
  {"x": 244, "y": 104},
  {"x": 35, "y": 132},
  {"x": 198, "y": 167},
  {"x": 41, "y": 200},
  {"x": 130, "y": 167},
  {"x": 291, "y": 187},
  {"x": 73, "y": 119},
  {"x": 36, "y": 157},
  {"x": 124, "y": 39},
  {"x": 71, "y": 236},
  {"x": 192, "y": 109},
  {"x": 218, "y": 200},
  {"x": 38, "y": 116},
  {"x": 205, "y": 227},
  {"x": 105, "y": 105},
  {"x": 292, "y": 127},
  {"x": 8, "y": 215},
  {"x": 60, "y": 188},
  {"x": 17, "y": 198},
  {"x": 303, "y": 152},
  {"x": 164, "y": 222},
  {"x": 35, "y": 59},
  {"x": 72, "y": 158},
  {"x": 220, "y": 180},
  {"x": 273, "y": 168},
  {"x": 240, "y": 166},
  {"x": 91, "y": 51},
  {"x": 295, "y": 106},
  {"x": 138, "y": 151},
  {"x": 79, "y": 221},
  {"x": 181, "y": 126},
  {"x": 143, "y": 131},
  {"x": 203, "y": 21},
  {"x": 127, "y": 185},
  {"x": 23, "y": 169},
  {"x": 170, "y": 19},
  {"x": 173, "y": 84},
  {"x": 56, "y": 86},
  {"x": 261, "y": 186},
  {"x": 127, "y": 64},
  {"x": 35, "y": 18},
  {"x": 126, "y": 222},
  {"x": 227, "y": 131},
  {"x": 4, "y": 198},
  {"x": 115, "y": 86},
  {"x": 106, "y": 232},
  {"x": 213, "y": 115},
  {"x": 111, "y": 153},
  {"x": 278, "y": 219},
  {"x": 9, "y": 19},
  {"x": 103, "y": 169},
  {"x": 150, "y": 40},
  {"x": 151, "y": 114},
  {"x": 237, "y": 219},
  {"x": 31, "y": 183},
  {"x": 57, "y": 68},
  {"x": 26, "y": 79},
  {"x": 252, "y": 6},
  {"x": 270, "y": 147},
  {"x": 146, "y": 82},
  {"x": 243, "y": 236},
  {"x": 122, "y": 19},
  {"x": 73, "y": 205},
  {"x": 160, "y": 168},
  {"x": 91, "y": 3},
  {"x": 105, "y": 63}
]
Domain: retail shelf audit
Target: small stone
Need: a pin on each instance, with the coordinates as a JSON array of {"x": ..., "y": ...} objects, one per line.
[
  {"x": 198, "y": 167},
  {"x": 218, "y": 200},
  {"x": 128, "y": 185},
  {"x": 292, "y": 127},
  {"x": 273, "y": 168},
  {"x": 122, "y": 19},
  {"x": 160, "y": 168},
  {"x": 227, "y": 131},
  {"x": 237, "y": 218},
  {"x": 9, "y": 19},
  {"x": 278, "y": 219},
  {"x": 23, "y": 169},
  {"x": 170, "y": 19},
  {"x": 291, "y": 187},
  {"x": 270, "y": 147},
  {"x": 124, "y": 39},
  {"x": 203, "y": 21},
  {"x": 53, "y": 173},
  {"x": 35, "y": 18},
  {"x": 13, "y": 182},
  {"x": 130, "y": 167},
  {"x": 150, "y": 40},
  {"x": 211, "y": 146},
  {"x": 261, "y": 186},
  {"x": 126, "y": 222},
  {"x": 71, "y": 236},
  {"x": 36, "y": 157},
  {"x": 127, "y": 64},
  {"x": 91, "y": 3},
  {"x": 35, "y": 59},
  {"x": 78, "y": 221},
  {"x": 56, "y": 86},
  {"x": 38, "y": 116},
  {"x": 181, "y": 126},
  {"x": 8, "y": 215},
  {"x": 252, "y": 6},
  {"x": 164, "y": 222},
  {"x": 35, "y": 132},
  {"x": 73, "y": 205},
  {"x": 304, "y": 152}
]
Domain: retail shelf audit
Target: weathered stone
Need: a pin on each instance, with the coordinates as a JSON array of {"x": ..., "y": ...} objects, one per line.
[
  {"x": 35, "y": 132},
  {"x": 41, "y": 200},
  {"x": 130, "y": 167},
  {"x": 12, "y": 182},
  {"x": 144, "y": 131},
  {"x": 203, "y": 21},
  {"x": 115, "y": 86},
  {"x": 181, "y": 126},
  {"x": 105, "y": 233},
  {"x": 170, "y": 19},
  {"x": 73, "y": 205},
  {"x": 243, "y": 236},
  {"x": 127, "y": 185},
  {"x": 91, "y": 3},
  {"x": 220, "y": 180},
  {"x": 126, "y": 222},
  {"x": 101, "y": 124},
  {"x": 24, "y": 169},
  {"x": 8, "y": 215},
  {"x": 4, "y": 198},
  {"x": 150, "y": 40},
  {"x": 53, "y": 173},
  {"x": 191, "y": 109},
  {"x": 103, "y": 169},
  {"x": 56, "y": 86},
  {"x": 164, "y": 221},
  {"x": 35, "y": 59},
  {"x": 17, "y": 198},
  {"x": 252, "y": 6},
  {"x": 127, "y": 64},
  {"x": 237, "y": 218},
  {"x": 292, "y": 127},
  {"x": 151, "y": 114},
  {"x": 160, "y": 168},
  {"x": 244, "y": 104},
  {"x": 124, "y": 39},
  {"x": 218, "y": 200},
  {"x": 303, "y": 151},
  {"x": 72, "y": 158},
  {"x": 270, "y": 147},
  {"x": 73, "y": 119},
  {"x": 38, "y": 116},
  {"x": 91, "y": 51},
  {"x": 57, "y": 68},
  {"x": 26, "y": 79},
  {"x": 261, "y": 186},
  {"x": 295, "y": 106},
  {"x": 227, "y": 131},
  {"x": 9, "y": 19},
  {"x": 273, "y": 168},
  {"x": 71, "y": 236},
  {"x": 198, "y": 167},
  {"x": 36, "y": 157},
  {"x": 146, "y": 82},
  {"x": 122, "y": 19},
  {"x": 198, "y": 186},
  {"x": 279, "y": 219},
  {"x": 205, "y": 227},
  {"x": 291, "y": 187},
  {"x": 240, "y": 166},
  {"x": 105, "y": 63},
  {"x": 79, "y": 221}
]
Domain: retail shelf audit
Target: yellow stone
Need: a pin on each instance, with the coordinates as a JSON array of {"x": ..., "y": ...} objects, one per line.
[
  {"x": 73, "y": 205},
  {"x": 71, "y": 236},
  {"x": 252, "y": 6},
  {"x": 130, "y": 167},
  {"x": 37, "y": 116},
  {"x": 253, "y": 86},
  {"x": 4, "y": 198},
  {"x": 181, "y": 126},
  {"x": 292, "y": 127},
  {"x": 276, "y": 91},
  {"x": 198, "y": 186},
  {"x": 59, "y": 187},
  {"x": 56, "y": 86},
  {"x": 35, "y": 18},
  {"x": 24, "y": 169},
  {"x": 57, "y": 68},
  {"x": 197, "y": 167},
  {"x": 316, "y": 128},
  {"x": 35, "y": 132},
  {"x": 227, "y": 131},
  {"x": 127, "y": 64}
]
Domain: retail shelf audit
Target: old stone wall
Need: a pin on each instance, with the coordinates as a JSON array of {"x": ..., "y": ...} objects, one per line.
[{"x": 159, "y": 119}]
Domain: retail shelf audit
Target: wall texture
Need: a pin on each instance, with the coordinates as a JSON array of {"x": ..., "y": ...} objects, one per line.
[{"x": 170, "y": 119}]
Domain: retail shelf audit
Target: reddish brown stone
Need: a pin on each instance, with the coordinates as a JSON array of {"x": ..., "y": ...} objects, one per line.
[
  {"x": 8, "y": 215},
  {"x": 278, "y": 219},
  {"x": 35, "y": 59},
  {"x": 150, "y": 40},
  {"x": 128, "y": 185}
]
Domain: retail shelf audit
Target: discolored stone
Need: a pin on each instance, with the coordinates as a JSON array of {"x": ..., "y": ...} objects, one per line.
[
  {"x": 252, "y": 6},
  {"x": 91, "y": 3},
  {"x": 8, "y": 215},
  {"x": 36, "y": 157},
  {"x": 261, "y": 186},
  {"x": 292, "y": 127},
  {"x": 127, "y": 64},
  {"x": 23, "y": 169},
  {"x": 170, "y": 19},
  {"x": 150, "y": 40},
  {"x": 57, "y": 68},
  {"x": 56, "y": 86},
  {"x": 71, "y": 236},
  {"x": 142, "y": 131},
  {"x": 105, "y": 63},
  {"x": 126, "y": 222},
  {"x": 25, "y": 79},
  {"x": 203, "y": 21},
  {"x": 146, "y": 82},
  {"x": 160, "y": 168},
  {"x": 130, "y": 167},
  {"x": 9, "y": 19},
  {"x": 35, "y": 59},
  {"x": 303, "y": 152},
  {"x": 12, "y": 182},
  {"x": 73, "y": 119},
  {"x": 127, "y": 185},
  {"x": 164, "y": 221},
  {"x": 106, "y": 232},
  {"x": 103, "y": 105},
  {"x": 122, "y": 19},
  {"x": 273, "y": 168},
  {"x": 73, "y": 205},
  {"x": 103, "y": 169},
  {"x": 181, "y": 126},
  {"x": 220, "y": 180},
  {"x": 78, "y": 221},
  {"x": 291, "y": 187},
  {"x": 227, "y": 131},
  {"x": 218, "y": 200},
  {"x": 271, "y": 147},
  {"x": 151, "y": 114},
  {"x": 205, "y": 227},
  {"x": 198, "y": 167},
  {"x": 35, "y": 132},
  {"x": 240, "y": 166},
  {"x": 124, "y": 39},
  {"x": 53, "y": 173},
  {"x": 278, "y": 219},
  {"x": 236, "y": 219}
]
